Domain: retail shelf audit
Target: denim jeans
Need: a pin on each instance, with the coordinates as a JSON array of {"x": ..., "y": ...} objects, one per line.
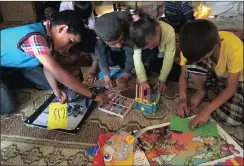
[{"x": 19, "y": 78}]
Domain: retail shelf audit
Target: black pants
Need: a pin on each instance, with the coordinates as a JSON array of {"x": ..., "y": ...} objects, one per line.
[
  {"x": 154, "y": 64},
  {"x": 12, "y": 78},
  {"x": 117, "y": 58}
]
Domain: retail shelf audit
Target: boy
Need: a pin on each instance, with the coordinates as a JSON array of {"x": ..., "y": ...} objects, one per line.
[
  {"x": 83, "y": 8},
  {"x": 24, "y": 48},
  {"x": 213, "y": 65},
  {"x": 156, "y": 48},
  {"x": 85, "y": 48},
  {"x": 113, "y": 46}
]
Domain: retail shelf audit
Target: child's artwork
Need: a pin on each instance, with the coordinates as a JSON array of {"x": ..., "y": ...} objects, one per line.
[
  {"x": 235, "y": 161},
  {"x": 114, "y": 150},
  {"x": 117, "y": 105},
  {"x": 77, "y": 107},
  {"x": 118, "y": 150},
  {"x": 165, "y": 147}
]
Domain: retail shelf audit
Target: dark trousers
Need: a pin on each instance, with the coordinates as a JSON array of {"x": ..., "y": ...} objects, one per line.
[
  {"x": 154, "y": 64},
  {"x": 117, "y": 58},
  {"x": 12, "y": 78}
]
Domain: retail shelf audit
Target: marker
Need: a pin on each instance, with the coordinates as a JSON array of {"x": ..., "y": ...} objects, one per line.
[{"x": 141, "y": 94}]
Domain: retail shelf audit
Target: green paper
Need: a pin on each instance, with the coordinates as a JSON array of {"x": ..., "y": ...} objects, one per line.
[{"x": 182, "y": 124}]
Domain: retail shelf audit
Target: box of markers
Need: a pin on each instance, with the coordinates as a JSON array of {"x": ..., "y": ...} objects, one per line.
[{"x": 117, "y": 105}]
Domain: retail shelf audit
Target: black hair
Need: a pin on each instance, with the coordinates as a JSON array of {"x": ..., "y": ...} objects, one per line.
[
  {"x": 69, "y": 18},
  {"x": 142, "y": 28},
  {"x": 197, "y": 38},
  {"x": 108, "y": 27},
  {"x": 83, "y": 9},
  {"x": 88, "y": 43}
]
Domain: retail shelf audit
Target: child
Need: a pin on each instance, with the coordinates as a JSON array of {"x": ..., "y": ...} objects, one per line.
[
  {"x": 157, "y": 39},
  {"x": 113, "y": 46},
  {"x": 86, "y": 48},
  {"x": 213, "y": 65},
  {"x": 84, "y": 10},
  {"x": 177, "y": 13},
  {"x": 24, "y": 48}
]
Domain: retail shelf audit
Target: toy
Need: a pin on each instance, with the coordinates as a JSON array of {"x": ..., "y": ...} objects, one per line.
[{"x": 147, "y": 102}]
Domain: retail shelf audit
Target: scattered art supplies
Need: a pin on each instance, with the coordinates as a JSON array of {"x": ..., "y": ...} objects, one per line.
[
  {"x": 62, "y": 117},
  {"x": 114, "y": 149},
  {"x": 147, "y": 100},
  {"x": 117, "y": 105},
  {"x": 182, "y": 124},
  {"x": 163, "y": 146}
]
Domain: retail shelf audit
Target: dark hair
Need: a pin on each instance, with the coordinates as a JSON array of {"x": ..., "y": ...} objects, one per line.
[
  {"x": 142, "y": 28},
  {"x": 108, "y": 27},
  {"x": 88, "y": 43},
  {"x": 83, "y": 9},
  {"x": 197, "y": 38},
  {"x": 69, "y": 18}
]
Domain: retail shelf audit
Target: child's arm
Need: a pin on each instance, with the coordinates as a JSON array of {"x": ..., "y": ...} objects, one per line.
[
  {"x": 139, "y": 67},
  {"x": 91, "y": 76},
  {"x": 227, "y": 93},
  {"x": 94, "y": 67},
  {"x": 63, "y": 76},
  {"x": 168, "y": 57},
  {"x": 182, "y": 108},
  {"x": 61, "y": 95}
]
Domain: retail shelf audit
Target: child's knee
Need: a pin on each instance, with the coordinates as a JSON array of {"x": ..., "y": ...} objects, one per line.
[{"x": 197, "y": 81}]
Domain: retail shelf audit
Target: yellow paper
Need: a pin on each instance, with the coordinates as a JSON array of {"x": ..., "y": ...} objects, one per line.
[{"x": 57, "y": 116}]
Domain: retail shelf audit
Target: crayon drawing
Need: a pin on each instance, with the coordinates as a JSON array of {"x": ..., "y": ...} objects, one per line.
[
  {"x": 231, "y": 162},
  {"x": 165, "y": 147}
]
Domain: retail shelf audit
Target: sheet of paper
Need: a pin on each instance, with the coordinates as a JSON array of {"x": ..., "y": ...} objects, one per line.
[
  {"x": 58, "y": 116},
  {"x": 182, "y": 124},
  {"x": 140, "y": 158}
]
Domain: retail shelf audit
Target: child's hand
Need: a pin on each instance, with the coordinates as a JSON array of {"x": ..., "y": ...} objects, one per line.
[
  {"x": 201, "y": 118},
  {"x": 90, "y": 78},
  {"x": 145, "y": 85},
  {"x": 162, "y": 86},
  {"x": 109, "y": 84},
  {"x": 121, "y": 82},
  {"x": 101, "y": 99},
  {"x": 61, "y": 95},
  {"x": 182, "y": 108}
]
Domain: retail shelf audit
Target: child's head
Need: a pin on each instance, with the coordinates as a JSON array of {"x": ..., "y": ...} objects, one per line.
[
  {"x": 87, "y": 45},
  {"x": 84, "y": 9},
  {"x": 109, "y": 28},
  {"x": 66, "y": 30},
  {"x": 145, "y": 31},
  {"x": 198, "y": 39}
]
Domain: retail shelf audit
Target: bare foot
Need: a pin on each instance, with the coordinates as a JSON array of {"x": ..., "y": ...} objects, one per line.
[{"x": 196, "y": 99}]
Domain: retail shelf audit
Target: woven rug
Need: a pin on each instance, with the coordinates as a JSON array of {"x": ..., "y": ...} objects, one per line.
[{"x": 22, "y": 145}]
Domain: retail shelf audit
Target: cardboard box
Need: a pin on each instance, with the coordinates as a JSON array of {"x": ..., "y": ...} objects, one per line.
[
  {"x": 5, "y": 25},
  {"x": 18, "y": 11}
]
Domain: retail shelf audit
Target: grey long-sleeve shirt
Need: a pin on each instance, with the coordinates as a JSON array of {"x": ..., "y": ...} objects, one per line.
[{"x": 103, "y": 51}]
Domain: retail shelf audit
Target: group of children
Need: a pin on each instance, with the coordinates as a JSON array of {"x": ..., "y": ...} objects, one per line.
[{"x": 211, "y": 60}]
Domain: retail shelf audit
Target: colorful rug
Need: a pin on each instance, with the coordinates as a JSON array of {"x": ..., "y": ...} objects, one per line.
[{"x": 22, "y": 145}]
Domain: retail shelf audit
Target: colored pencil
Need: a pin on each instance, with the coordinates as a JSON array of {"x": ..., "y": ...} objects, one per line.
[{"x": 136, "y": 91}]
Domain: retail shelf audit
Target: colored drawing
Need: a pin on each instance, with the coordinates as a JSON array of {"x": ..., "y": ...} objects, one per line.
[
  {"x": 165, "y": 147},
  {"x": 236, "y": 161}
]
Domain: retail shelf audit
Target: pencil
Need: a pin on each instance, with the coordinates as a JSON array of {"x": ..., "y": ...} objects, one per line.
[{"x": 136, "y": 91}]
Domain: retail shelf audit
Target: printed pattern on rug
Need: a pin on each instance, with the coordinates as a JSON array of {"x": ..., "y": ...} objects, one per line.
[{"x": 23, "y": 145}]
